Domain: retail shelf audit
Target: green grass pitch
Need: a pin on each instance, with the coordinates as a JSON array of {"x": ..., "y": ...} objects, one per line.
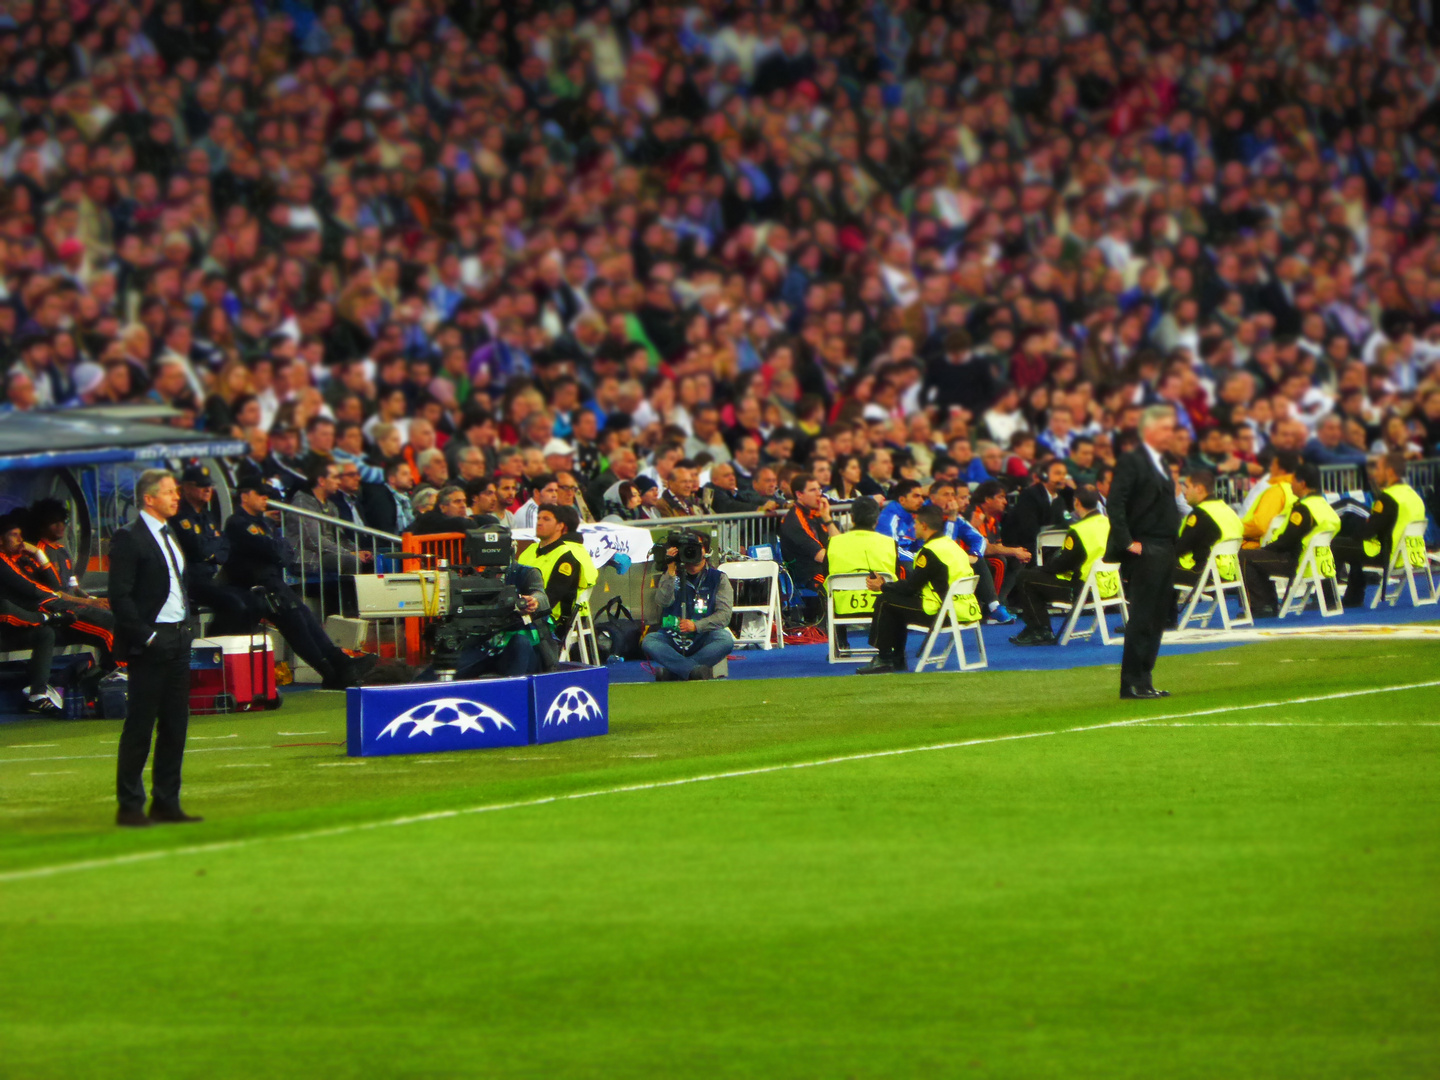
[{"x": 1246, "y": 892}]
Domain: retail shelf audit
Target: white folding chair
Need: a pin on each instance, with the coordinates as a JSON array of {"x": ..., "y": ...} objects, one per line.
[
  {"x": 765, "y": 631},
  {"x": 581, "y": 634},
  {"x": 1098, "y": 605},
  {"x": 1317, "y": 565},
  {"x": 947, "y": 623},
  {"x": 1212, "y": 587},
  {"x": 1399, "y": 560},
  {"x": 848, "y": 602},
  {"x": 1048, "y": 540}
]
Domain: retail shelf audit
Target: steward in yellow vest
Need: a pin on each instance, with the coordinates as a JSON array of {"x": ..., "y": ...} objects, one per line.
[
  {"x": 1209, "y": 522},
  {"x": 917, "y": 599},
  {"x": 1310, "y": 514},
  {"x": 564, "y": 564},
  {"x": 1061, "y": 578},
  {"x": 1394, "y": 509},
  {"x": 862, "y": 550}
]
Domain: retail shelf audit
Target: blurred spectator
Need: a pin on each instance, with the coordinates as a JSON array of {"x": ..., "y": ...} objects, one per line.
[{"x": 734, "y": 234}]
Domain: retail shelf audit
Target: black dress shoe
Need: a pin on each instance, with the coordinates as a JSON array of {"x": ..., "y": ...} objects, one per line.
[
  {"x": 132, "y": 819},
  {"x": 878, "y": 667},
  {"x": 176, "y": 816},
  {"x": 1141, "y": 693}
]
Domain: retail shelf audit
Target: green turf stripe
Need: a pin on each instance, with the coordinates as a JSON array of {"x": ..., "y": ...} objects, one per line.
[{"x": 440, "y": 815}]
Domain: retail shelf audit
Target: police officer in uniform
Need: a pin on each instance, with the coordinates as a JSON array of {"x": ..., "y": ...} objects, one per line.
[
  {"x": 257, "y": 561},
  {"x": 1209, "y": 522},
  {"x": 1393, "y": 510},
  {"x": 564, "y": 563},
  {"x": 206, "y": 551},
  {"x": 1310, "y": 513},
  {"x": 1061, "y": 579},
  {"x": 917, "y": 598}
]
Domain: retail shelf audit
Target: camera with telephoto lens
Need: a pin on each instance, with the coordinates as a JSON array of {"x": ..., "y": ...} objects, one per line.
[
  {"x": 480, "y": 604},
  {"x": 689, "y": 547}
]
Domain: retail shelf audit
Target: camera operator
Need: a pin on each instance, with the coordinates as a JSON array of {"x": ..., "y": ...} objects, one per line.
[
  {"x": 690, "y": 609},
  {"x": 524, "y": 647},
  {"x": 256, "y": 562},
  {"x": 559, "y": 555}
]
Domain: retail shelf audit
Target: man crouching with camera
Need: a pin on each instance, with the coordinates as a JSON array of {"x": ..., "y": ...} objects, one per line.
[{"x": 689, "y": 608}]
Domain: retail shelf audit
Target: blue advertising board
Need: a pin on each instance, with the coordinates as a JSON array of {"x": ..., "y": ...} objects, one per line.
[
  {"x": 572, "y": 703},
  {"x": 426, "y": 718}
]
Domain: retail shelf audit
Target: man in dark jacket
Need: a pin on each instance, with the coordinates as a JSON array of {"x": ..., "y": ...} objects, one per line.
[
  {"x": 1042, "y": 505},
  {"x": 805, "y": 532},
  {"x": 1144, "y": 521},
  {"x": 387, "y": 506}
]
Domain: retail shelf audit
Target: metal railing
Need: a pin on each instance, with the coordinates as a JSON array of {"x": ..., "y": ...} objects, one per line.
[
  {"x": 737, "y": 533},
  {"x": 1338, "y": 480},
  {"x": 320, "y": 544}
]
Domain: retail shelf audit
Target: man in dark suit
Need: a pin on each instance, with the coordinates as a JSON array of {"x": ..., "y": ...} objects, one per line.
[
  {"x": 1042, "y": 505},
  {"x": 153, "y": 632},
  {"x": 1144, "y": 522}
]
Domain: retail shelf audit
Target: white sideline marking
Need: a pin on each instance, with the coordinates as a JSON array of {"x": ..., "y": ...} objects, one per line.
[
  {"x": 1306, "y": 723},
  {"x": 441, "y": 815},
  {"x": 100, "y": 757},
  {"x": 33, "y": 746},
  {"x": 302, "y": 733},
  {"x": 232, "y": 735}
]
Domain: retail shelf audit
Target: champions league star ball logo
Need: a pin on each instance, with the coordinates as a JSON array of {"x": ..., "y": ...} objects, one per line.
[
  {"x": 572, "y": 703},
  {"x": 458, "y": 713}
]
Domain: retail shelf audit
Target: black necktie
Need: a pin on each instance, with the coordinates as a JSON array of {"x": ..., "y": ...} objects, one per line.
[{"x": 175, "y": 566}]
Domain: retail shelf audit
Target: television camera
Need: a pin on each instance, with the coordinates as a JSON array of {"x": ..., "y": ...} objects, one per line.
[
  {"x": 690, "y": 548},
  {"x": 472, "y": 602}
]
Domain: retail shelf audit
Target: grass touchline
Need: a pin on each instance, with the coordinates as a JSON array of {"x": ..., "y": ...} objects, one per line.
[{"x": 440, "y": 815}]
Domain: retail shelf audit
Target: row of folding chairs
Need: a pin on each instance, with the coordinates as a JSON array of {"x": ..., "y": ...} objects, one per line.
[
  {"x": 1316, "y": 567},
  {"x": 1088, "y": 615}
]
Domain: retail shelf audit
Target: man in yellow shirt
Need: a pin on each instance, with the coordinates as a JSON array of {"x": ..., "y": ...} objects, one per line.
[{"x": 1275, "y": 500}]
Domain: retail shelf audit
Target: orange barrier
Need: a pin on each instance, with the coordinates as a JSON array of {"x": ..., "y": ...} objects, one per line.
[{"x": 447, "y": 547}]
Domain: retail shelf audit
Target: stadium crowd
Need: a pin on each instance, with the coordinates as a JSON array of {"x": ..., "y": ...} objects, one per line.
[{"x": 651, "y": 260}]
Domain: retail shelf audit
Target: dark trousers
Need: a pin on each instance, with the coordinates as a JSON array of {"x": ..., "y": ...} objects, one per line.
[
  {"x": 159, "y": 703},
  {"x": 302, "y": 631},
  {"x": 519, "y": 657},
  {"x": 1351, "y": 553},
  {"x": 893, "y": 613},
  {"x": 985, "y": 585},
  {"x": 232, "y": 607},
  {"x": 92, "y": 626},
  {"x": 1038, "y": 589},
  {"x": 24, "y": 630},
  {"x": 1150, "y": 595},
  {"x": 1008, "y": 575},
  {"x": 1256, "y": 565}
]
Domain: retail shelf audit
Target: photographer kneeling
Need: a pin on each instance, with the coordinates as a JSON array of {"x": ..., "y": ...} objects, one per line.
[{"x": 691, "y": 605}]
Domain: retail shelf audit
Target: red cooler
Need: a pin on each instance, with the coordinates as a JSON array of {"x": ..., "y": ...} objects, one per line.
[{"x": 232, "y": 673}]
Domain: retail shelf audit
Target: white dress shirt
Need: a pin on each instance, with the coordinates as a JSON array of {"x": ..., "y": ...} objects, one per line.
[
  {"x": 173, "y": 610},
  {"x": 1164, "y": 471}
]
